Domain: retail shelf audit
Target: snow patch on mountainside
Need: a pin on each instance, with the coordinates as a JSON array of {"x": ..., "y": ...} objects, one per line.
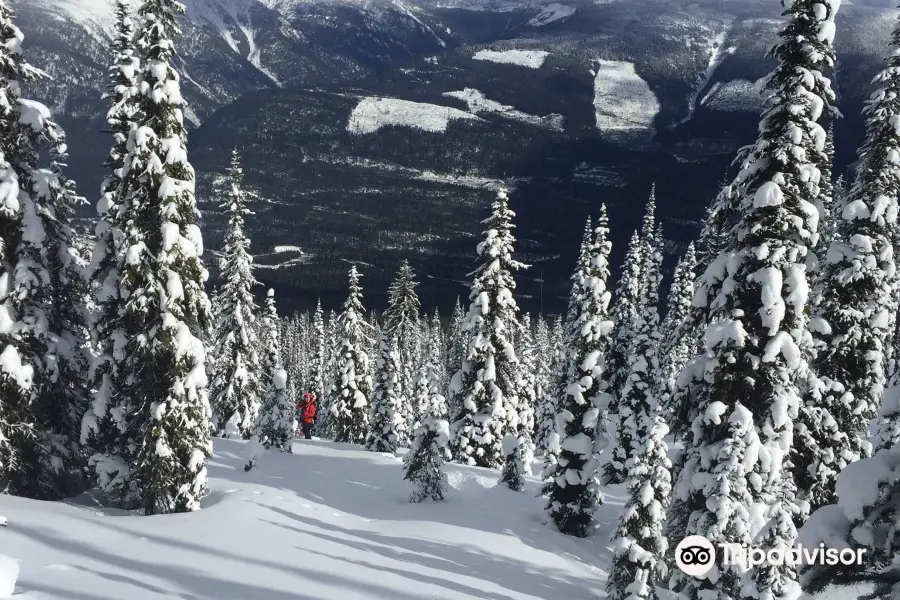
[
  {"x": 550, "y": 13},
  {"x": 738, "y": 95},
  {"x": 623, "y": 102},
  {"x": 717, "y": 53},
  {"x": 371, "y": 114},
  {"x": 532, "y": 59},
  {"x": 96, "y": 16},
  {"x": 479, "y": 103}
]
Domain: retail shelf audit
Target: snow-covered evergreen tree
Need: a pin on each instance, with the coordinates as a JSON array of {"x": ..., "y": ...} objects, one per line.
[
  {"x": 430, "y": 447},
  {"x": 401, "y": 321},
  {"x": 854, "y": 315},
  {"x": 277, "y": 423},
  {"x": 545, "y": 399},
  {"x": 639, "y": 544},
  {"x": 515, "y": 462},
  {"x": 527, "y": 395},
  {"x": 270, "y": 357},
  {"x": 864, "y": 520},
  {"x": 678, "y": 344},
  {"x": 573, "y": 487},
  {"x": 733, "y": 486},
  {"x": 236, "y": 386},
  {"x": 349, "y": 405},
  {"x": 387, "y": 423},
  {"x": 640, "y": 393},
  {"x": 42, "y": 289},
  {"x": 485, "y": 387},
  {"x": 318, "y": 378},
  {"x": 151, "y": 411}
]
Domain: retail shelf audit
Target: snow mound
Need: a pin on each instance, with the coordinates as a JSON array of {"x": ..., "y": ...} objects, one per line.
[
  {"x": 9, "y": 573},
  {"x": 371, "y": 114},
  {"x": 479, "y": 103},
  {"x": 550, "y": 13},
  {"x": 623, "y": 102},
  {"x": 532, "y": 59},
  {"x": 738, "y": 95},
  {"x": 467, "y": 481}
]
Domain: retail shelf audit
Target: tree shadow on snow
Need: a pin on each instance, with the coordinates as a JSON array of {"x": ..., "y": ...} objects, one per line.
[{"x": 196, "y": 584}]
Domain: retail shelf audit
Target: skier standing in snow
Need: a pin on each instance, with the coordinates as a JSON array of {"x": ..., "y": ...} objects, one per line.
[{"x": 308, "y": 409}]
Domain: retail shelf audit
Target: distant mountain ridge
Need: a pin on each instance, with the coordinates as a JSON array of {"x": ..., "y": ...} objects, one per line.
[{"x": 375, "y": 130}]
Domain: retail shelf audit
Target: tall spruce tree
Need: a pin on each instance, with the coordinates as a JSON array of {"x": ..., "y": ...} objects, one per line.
[
  {"x": 151, "y": 411},
  {"x": 430, "y": 447},
  {"x": 236, "y": 386},
  {"x": 640, "y": 395},
  {"x": 545, "y": 399},
  {"x": 349, "y": 405},
  {"x": 678, "y": 343},
  {"x": 747, "y": 399},
  {"x": 387, "y": 421},
  {"x": 270, "y": 357},
  {"x": 401, "y": 320},
  {"x": 639, "y": 544},
  {"x": 573, "y": 487},
  {"x": 318, "y": 374},
  {"x": 858, "y": 275},
  {"x": 485, "y": 386},
  {"x": 42, "y": 332}
]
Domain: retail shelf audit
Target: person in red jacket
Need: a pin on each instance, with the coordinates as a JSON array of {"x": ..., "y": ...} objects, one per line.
[{"x": 308, "y": 414}]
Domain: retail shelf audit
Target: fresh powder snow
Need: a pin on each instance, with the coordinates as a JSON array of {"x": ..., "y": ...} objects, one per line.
[
  {"x": 326, "y": 522},
  {"x": 532, "y": 59},
  {"x": 623, "y": 102},
  {"x": 371, "y": 114}
]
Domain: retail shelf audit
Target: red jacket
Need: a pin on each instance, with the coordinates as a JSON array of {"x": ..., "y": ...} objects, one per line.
[{"x": 309, "y": 411}]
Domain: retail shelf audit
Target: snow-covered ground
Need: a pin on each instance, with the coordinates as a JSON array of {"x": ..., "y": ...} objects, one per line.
[
  {"x": 371, "y": 114},
  {"x": 532, "y": 59},
  {"x": 329, "y": 522},
  {"x": 550, "y": 13},
  {"x": 623, "y": 102},
  {"x": 478, "y": 103}
]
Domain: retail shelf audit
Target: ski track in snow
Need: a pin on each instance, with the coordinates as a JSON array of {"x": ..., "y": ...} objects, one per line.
[
  {"x": 371, "y": 114},
  {"x": 329, "y": 521},
  {"x": 478, "y": 103},
  {"x": 623, "y": 102},
  {"x": 532, "y": 59}
]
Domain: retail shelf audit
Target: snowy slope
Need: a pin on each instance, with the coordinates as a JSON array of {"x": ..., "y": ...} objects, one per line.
[
  {"x": 622, "y": 100},
  {"x": 329, "y": 522},
  {"x": 371, "y": 114},
  {"x": 478, "y": 103},
  {"x": 533, "y": 59}
]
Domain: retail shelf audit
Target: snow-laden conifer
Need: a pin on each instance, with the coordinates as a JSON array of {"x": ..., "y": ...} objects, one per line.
[
  {"x": 236, "y": 387},
  {"x": 733, "y": 480},
  {"x": 457, "y": 348},
  {"x": 515, "y": 462},
  {"x": 277, "y": 424},
  {"x": 678, "y": 343},
  {"x": 318, "y": 367},
  {"x": 485, "y": 387},
  {"x": 573, "y": 487},
  {"x": 401, "y": 320},
  {"x": 545, "y": 400},
  {"x": 854, "y": 323},
  {"x": 639, "y": 544},
  {"x": 640, "y": 392},
  {"x": 387, "y": 422},
  {"x": 151, "y": 410},
  {"x": 527, "y": 395},
  {"x": 349, "y": 404},
  {"x": 43, "y": 357},
  {"x": 270, "y": 356},
  {"x": 863, "y": 520},
  {"x": 430, "y": 446}
]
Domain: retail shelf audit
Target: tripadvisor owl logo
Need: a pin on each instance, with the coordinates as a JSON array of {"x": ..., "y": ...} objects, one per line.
[{"x": 695, "y": 556}]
